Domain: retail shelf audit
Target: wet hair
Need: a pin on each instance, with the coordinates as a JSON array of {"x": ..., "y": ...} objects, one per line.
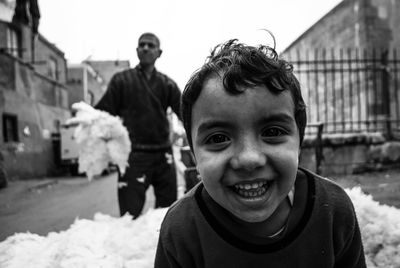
[
  {"x": 241, "y": 66},
  {"x": 151, "y": 35}
]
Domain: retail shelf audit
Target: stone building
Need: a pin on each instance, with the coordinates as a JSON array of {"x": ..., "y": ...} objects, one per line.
[
  {"x": 84, "y": 84},
  {"x": 348, "y": 65},
  {"x": 87, "y": 81},
  {"x": 354, "y": 23},
  {"x": 33, "y": 99},
  {"x": 107, "y": 68}
]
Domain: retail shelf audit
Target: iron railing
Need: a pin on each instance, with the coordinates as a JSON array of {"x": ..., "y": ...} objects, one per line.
[{"x": 350, "y": 91}]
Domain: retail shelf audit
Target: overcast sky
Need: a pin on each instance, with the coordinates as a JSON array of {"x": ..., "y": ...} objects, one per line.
[{"x": 188, "y": 29}]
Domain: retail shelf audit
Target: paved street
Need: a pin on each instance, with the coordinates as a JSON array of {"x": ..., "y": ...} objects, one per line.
[
  {"x": 53, "y": 204},
  {"x": 41, "y": 206}
]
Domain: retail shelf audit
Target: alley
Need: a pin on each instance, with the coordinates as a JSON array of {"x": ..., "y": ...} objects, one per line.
[{"x": 42, "y": 206}]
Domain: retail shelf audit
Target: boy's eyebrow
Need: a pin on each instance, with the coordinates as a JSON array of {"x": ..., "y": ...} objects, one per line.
[
  {"x": 277, "y": 117},
  {"x": 212, "y": 123}
]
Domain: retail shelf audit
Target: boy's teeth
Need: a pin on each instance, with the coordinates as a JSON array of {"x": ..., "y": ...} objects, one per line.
[
  {"x": 250, "y": 186},
  {"x": 250, "y": 190},
  {"x": 251, "y": 193}
]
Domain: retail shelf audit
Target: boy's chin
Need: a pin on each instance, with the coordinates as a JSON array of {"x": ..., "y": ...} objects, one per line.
[{"x": 252, "y": 217}]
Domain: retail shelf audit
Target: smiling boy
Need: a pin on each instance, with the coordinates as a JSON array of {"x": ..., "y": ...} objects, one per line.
[{"x": 245, "y": 118}]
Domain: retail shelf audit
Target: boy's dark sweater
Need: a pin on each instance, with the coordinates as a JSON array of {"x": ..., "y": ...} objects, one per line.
[
  {"x": 142, "y": 105},
  {"x": 326, "y": 235}
]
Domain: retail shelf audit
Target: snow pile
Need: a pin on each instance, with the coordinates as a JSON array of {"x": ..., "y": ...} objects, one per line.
[
  {"x": 380, "y": 230},
  {"x": 122, "y": 242},
  {"x": 102, "y": 138},
  {"x": 103, "y": 242}
]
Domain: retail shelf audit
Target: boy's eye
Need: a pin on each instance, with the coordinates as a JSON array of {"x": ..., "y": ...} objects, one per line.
[
  {"x": 217, "y": 139},
  {"x": 273, "y": 132}
]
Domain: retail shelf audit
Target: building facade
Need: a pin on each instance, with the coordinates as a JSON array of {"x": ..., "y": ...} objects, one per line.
[
  {"x": 33, "y": 100},
  {"x": 348, "y": 66},
  {"x": 353, "y": 24},
  {"x": 87, "y": 81},
  {"x": 85, "y": 84}
]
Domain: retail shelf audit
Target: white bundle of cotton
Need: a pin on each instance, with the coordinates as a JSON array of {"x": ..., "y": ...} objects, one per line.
[
  {"x": 103, "y": 242},
  {"x": 123, "y": 242},
  {"x": 380, "y": 230},
  {"x": 103, "y": 139},
  {"x": 27, "y": 250}
]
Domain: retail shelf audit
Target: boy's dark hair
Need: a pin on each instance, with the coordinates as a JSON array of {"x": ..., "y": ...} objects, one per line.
[{"x": 244, "y": 66}]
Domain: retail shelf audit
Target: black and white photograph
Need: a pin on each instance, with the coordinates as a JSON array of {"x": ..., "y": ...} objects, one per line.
[{"x": 199, "y": 134}]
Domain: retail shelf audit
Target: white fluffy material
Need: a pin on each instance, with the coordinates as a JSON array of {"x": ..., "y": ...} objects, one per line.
[
  {"x": 103, "y": 242},
  {"x": 103, "y": 139},
  {"x": 380, "y": 230},
  {"x": 122, "y": 242}
]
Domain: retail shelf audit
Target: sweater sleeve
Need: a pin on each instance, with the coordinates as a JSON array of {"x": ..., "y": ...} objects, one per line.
[
  {"x": 164, "y": 259},
  {"x": 352, "y": 255},
  {"x": 175, "y": 99},
  {"x": 110, "y": 102}
]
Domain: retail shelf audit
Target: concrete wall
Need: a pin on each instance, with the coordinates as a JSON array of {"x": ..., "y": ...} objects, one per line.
[
  {"x": 40, "y": 104},
  {"x": 351, "y": 153},
  {"x": 42, "y": 55},
  {"x": 45, "y": 53},
  {"x": 96, "y": 86},
  {"x": 76, "y": 85}
]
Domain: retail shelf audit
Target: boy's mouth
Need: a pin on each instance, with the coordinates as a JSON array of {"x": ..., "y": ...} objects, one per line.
[{"x": 251, "y": 189}]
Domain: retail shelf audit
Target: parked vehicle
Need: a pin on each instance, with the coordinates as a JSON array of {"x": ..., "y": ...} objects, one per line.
[{"x": 69, "y": 149}]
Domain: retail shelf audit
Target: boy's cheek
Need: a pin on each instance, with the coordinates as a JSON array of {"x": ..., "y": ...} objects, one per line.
[{"x": 208, "y": 166}]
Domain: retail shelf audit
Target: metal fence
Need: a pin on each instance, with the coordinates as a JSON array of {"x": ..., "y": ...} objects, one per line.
[{"x": 351, "y": 91}]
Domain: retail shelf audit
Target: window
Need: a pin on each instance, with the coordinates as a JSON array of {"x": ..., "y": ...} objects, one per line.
[
  {"x": 53, "y": 68},
  {"x": 13, "y": 42},
  {"x": 10, "y": 128},
  {"x": 90, "y": 98}
]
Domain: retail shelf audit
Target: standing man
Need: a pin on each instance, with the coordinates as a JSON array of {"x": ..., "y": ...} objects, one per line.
[{"x": 141, "y": 96}]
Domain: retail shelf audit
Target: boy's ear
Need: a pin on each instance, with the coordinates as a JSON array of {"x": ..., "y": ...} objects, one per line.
[{"x": 159, "y": 52}]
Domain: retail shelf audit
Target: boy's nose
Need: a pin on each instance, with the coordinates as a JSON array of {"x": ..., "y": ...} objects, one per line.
[{"x": 248, "y": 156}]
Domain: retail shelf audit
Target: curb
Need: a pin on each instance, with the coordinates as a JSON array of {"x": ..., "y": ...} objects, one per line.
[{"x": 42, "y": 185}]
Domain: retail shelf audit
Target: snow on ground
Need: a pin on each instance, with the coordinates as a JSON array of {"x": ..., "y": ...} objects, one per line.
[{"x": 112, "y": 242}]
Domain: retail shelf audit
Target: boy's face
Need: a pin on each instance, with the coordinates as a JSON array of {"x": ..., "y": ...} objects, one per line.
[{"x": 246, "y": 148}]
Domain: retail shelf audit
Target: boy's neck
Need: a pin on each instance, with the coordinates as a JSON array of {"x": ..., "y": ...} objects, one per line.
[
  {"x": 272, "y": 225},
  {"x": 264, "y": 229}
]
